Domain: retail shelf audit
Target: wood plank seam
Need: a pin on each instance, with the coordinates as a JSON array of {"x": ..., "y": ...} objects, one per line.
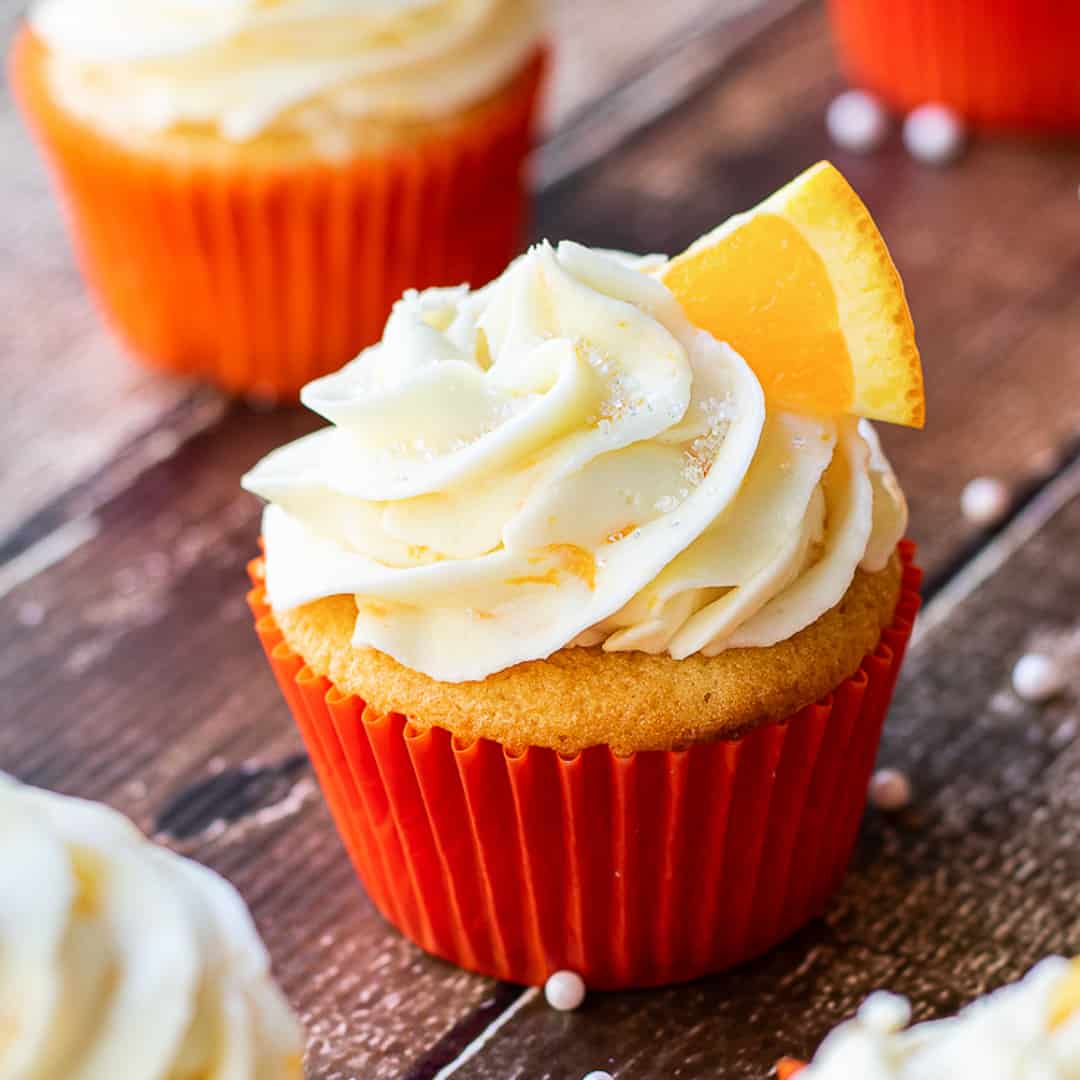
[
  {"x": 1029, "y": 517},
  {"x": 54, "y": 547},
  {"x": 526, "y": 997},
  {"x": 661, "y": 82},
  {"x": 196, "y": 414}
]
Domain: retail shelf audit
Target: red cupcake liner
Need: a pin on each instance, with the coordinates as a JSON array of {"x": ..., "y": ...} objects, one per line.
[
  {"x": 261, "y": 276},
  {"x": 999, "y": 63},
  {"x": 638, "y": 870}
]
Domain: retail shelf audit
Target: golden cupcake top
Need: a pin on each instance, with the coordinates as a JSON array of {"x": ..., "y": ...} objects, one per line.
[
  {"x": 565, "y": 458},
  {"x": 239, "y": 66},
  {"x": 1029, "y": 1030},
  {"x": 120, "y": 959}
]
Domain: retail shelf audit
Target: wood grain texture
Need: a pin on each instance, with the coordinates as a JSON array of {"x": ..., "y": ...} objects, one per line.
[{"x": 130, "y": 673}]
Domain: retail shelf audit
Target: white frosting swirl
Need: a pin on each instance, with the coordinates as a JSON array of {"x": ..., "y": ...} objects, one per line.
[
  {"x": 1011, "y": 1034},
  {"x": 120, "y": 959},
  {"x": 561, "y": 458},
  {"x": 240, "y": 64}
]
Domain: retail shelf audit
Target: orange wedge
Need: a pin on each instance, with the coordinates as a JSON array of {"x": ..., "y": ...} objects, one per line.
[{"x": 804, "y": 289}]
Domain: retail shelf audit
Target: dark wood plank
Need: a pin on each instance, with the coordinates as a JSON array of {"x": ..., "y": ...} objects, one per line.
[
  {"x": 130, "y": 672},
  {"x": 605, "y": 43},
  {"x": 965, "y": 890},
  {"x": 988, "y": 250},
  {"x": 643, "y": 59}
]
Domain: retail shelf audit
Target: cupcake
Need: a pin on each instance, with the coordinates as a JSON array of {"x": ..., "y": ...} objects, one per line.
[
  {"x": 1025, "y": 1030},
  {"x": 590, "y": 622},
  {"x": 121, "y": 959},
  {"x": 1006, "y": 64},
  {"x": 250, "y": 186}
]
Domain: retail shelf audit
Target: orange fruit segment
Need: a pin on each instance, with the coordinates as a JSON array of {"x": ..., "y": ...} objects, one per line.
[{"x": 804, "y": 289}]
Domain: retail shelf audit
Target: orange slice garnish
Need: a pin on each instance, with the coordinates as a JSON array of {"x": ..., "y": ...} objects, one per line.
[{"x": 804, "y": 289}]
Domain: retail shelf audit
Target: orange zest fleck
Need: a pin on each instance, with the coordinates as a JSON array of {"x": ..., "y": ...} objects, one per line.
[{"x": 572, "y": 560}]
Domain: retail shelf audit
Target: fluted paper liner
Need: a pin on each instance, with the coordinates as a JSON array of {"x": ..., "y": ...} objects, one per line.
[
  {"x": 263, "y": 278},
  {"x": 1006, "y": 63},
  {"x": 635, "y": 870}
]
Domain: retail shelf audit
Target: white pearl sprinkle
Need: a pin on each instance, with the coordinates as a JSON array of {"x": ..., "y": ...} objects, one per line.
[
  {"x": 884, "y": 1012},
  {"x": 857, "y": 121},
  {"x": 30, "y": 614},
  {"x": 984, "y": 500},
  {"x": 1037, "y": 677},
  {"x": 565, "y": 990},
  {"x": 934, "y": 134},
  {"x": 890, "y": 789},
  {"x": 599, "y": 1074}
]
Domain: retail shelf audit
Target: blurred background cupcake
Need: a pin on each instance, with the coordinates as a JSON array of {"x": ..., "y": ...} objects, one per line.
[
  {"x": 997, "y": 64},
  {"x": 250, "y": 185},
  {"x": 120, "y": 958}
]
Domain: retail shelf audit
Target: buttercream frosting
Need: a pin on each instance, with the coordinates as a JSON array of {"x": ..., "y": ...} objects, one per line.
[
  {"x": 561, "y": 458},
  {"x": 1029, "y": 1030},
  {"x": 119, "y": 958},
  {"x": 239, "y": 65}
]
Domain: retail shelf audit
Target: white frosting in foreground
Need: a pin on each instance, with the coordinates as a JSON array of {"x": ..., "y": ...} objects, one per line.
[
  {"x": 1012, "y": 1034},
  {"x": 121, "y": 959},
  {"x": 239, "y": 64},
  {"x": 561, "y": 458}
]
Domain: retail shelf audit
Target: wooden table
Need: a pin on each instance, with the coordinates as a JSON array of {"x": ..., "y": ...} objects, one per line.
[{"x": 130, "y": 673}]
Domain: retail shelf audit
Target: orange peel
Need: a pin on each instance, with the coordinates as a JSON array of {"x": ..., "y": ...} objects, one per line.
[{"x": 804, "y": 289}]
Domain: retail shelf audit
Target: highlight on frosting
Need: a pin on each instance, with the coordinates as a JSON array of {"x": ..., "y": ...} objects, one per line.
[
  {"x": 1029, "y": 1030},
  {"x": 119, "y": 958},
  {"x": 239, "y": 65},
  {"x": 561, "y": 458}
]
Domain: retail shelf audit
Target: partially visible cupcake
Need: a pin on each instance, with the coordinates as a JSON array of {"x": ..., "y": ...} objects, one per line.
[
  {"x": 590, "y": 624},
  {"x": 119, "y": 958},
  {"x": 250, "y": 186},
  {"x": 997, "y": 63},
  {"x": 1029, "y": 1029}
]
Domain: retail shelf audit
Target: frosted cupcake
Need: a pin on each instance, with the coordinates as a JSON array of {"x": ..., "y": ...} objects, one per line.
[
  {"x": 1025, "y": 1030},
  {"x": 121, "y": 959},
  {"x": 250, "y": 186},
  {"x": 590, "y": 632}
]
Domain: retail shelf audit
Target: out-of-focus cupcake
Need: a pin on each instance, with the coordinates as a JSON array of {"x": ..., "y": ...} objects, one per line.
[
  {"x": 250, "y": 186},
  {"x": 999, "y": 64},
  {"x": 119, "y": 958},
  {"x": 1030, "y": 1028},
  {"x": 589, "y": 631}
]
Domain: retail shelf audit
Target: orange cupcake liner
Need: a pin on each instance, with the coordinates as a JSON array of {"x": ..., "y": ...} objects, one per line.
[
  {"x": 999, "y": 63},
  {"x": 638, "y": 870},
  {"x": 262, "y": 279},
  {"x": 787, "y": 1068}
]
